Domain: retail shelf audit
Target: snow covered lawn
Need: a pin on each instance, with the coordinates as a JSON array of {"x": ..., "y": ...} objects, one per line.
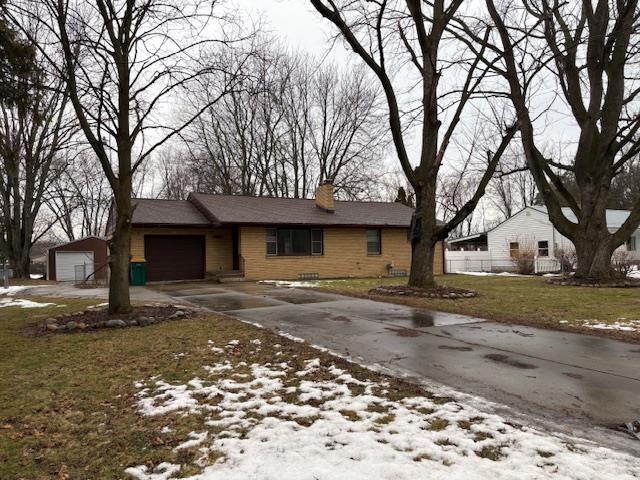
[{"x": 283, "y": 411}]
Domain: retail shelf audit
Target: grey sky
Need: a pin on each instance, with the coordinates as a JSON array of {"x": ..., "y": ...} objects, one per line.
[{"x": 293, "y": 20}]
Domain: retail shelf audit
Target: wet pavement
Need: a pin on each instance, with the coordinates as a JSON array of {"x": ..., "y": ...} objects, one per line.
[{"x": 558, "y": 375}]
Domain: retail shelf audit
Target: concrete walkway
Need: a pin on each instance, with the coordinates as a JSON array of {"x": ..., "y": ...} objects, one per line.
[
  {"x": 139, "y": 294},
  {"x": 553, "y": 374}
]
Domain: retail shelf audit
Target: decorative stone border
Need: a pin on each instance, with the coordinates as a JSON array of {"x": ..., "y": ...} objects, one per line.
[
  {"x": 438, "y": 292},
  {"x": 574, "y": 282},
  {"x": 95, "y": 318}
]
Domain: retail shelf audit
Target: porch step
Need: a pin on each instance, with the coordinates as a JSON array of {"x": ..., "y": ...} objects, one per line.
[{"x": 228, "y": 276}]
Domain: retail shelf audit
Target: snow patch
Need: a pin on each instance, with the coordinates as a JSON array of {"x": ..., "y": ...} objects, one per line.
[
  {"x": 344, "y": 427},
  {"x": 491, "y": 274},
  {"x": 164, "y": 471},
  {"x": 290, "y": 283},
  {"x": 22, "y": 303},
  {"x": 291, "y": 337},
  {"x": 621, "y": 324}
]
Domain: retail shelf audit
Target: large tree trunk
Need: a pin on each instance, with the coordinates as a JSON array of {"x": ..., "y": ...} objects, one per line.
[
  {"x": 119, "y": 258},
  {"x": 593, "y": 252},
  {"x": 21, "y": 266},
  {"x": 422, "y": 255},
  {"x": 423, "y": 240}
]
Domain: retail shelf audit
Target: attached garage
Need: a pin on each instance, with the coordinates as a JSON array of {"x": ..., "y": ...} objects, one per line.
[
  {"x": 174, "y": 257},
  {"x": 77, "y": 260}
]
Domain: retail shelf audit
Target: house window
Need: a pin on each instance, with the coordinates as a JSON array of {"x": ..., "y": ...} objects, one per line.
[
  {"x": 316, "y": 242},
  {"x": 272, "y": 241},
  {"x": 543, "y": 248},
  {"x": 631, "y": 244},
  {"x": 374, "y": 245},
  {"x": 514, "y": 249},
  {"x": 294, "y": 241}
]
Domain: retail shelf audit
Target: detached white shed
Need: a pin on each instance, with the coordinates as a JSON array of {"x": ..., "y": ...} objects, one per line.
[{"x": 76, "y": 260}]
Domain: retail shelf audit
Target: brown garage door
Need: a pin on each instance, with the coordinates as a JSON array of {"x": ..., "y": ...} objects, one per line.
[{"x": 174, "y": 257}]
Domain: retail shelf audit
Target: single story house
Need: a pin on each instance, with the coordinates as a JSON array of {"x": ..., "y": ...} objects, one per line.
[
  {"x": 263, "y": 238},
  {"x": 530, "y": 229},
  {"x": 77, "y": 260}
]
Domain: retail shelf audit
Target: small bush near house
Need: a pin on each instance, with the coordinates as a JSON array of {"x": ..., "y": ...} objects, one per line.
[
  {"x": 567, "y": 258},
  {"x": 523, "y": 258},
  {"x": 623, "y": 262}
]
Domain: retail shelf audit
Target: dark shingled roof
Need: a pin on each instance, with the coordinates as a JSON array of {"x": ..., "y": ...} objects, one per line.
[
  {"x": 151, "y": 211},
  {"x": 247, "y": 210},
  {"x": 203, "y": 210}
]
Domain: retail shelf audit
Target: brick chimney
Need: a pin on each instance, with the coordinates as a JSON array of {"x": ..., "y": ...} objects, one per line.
[{"x": 324, "y": 196}]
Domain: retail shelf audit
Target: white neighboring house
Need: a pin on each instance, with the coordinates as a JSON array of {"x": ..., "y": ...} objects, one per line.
[{"x": 531, "y": 228}]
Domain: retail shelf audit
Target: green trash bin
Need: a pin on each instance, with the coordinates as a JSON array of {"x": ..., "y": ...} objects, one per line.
[{"x": 138, "y": 273}]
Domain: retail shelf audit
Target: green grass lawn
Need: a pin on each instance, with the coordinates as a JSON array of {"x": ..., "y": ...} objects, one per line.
[
  {"x": 70, "y": 404},
  {"x": 68, "y": 400},
  {"x": 526, "y": 300}
]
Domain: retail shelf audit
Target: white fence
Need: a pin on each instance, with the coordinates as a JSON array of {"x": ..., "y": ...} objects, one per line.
[{"x": 484, "y": 261}]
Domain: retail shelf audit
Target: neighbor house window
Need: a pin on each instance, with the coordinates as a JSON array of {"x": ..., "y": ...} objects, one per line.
[
  {"x": 631, "y": 244},
  {"x": 374, "y": 245},
  {"x": 294, "y": 241},
  {"x": 543, "y": 249},
  {"x": 514, "y": 249}
]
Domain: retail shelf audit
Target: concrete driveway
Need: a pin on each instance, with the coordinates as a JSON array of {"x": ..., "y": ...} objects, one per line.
[{"x": 563, "y": 377}]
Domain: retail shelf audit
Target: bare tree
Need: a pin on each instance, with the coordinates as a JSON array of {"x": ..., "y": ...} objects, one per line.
[
  {"x": 396, "y": 38},
  {"x": 175, "y": 174},
  {"x": 123, "y": 61},
  {"x": 590, "y": 49},
  {"x": 80, "y": 197},
  {"x": 290, "y": 124},
  {"x": 513, "y": 188},
  {"x": 32, "y": 133}
]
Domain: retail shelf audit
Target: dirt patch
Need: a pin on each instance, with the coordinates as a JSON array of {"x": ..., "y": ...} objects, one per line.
[
  {"x": 94, "y": 318},
  {"x": 457, "y": 349},
  {"x": 436, "y": 292},
  {"x": 90, "y": 285},
  {"x": 404, "y": 332},
  {"x": 501, "y": 358},
  {"x": 577, "y": 376}
]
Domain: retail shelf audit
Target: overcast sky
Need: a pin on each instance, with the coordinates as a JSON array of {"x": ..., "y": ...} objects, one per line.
[{"x": 294, "y": 21}]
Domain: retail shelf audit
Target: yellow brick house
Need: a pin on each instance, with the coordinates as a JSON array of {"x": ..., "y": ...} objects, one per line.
[{"x": 271, "y": 238}]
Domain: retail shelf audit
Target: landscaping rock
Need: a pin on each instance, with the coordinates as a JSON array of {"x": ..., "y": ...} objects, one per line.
[
  {"x": 82, "y": 326},
  {"x": 437, "y": 292},
  {"x": 52, "y": 327},
  {"x": 132, "y": 323},
  {"x": 143, "y": 321},
  {"x": 72, "y": 325},
  {"x": 115, "y": 323},
  {"x": 50, "y": 321}
]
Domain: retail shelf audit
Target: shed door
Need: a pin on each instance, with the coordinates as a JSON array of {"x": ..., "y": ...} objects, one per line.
[
  {"x": 174, "y": 257},
  {"x": 73, "y": 266}
]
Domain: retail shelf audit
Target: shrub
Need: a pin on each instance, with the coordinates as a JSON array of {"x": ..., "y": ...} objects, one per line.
[
  {"x": 623, "y": 262},
  {"x": 524, "y": 258},
  {"x": 567, "y": 258}
]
